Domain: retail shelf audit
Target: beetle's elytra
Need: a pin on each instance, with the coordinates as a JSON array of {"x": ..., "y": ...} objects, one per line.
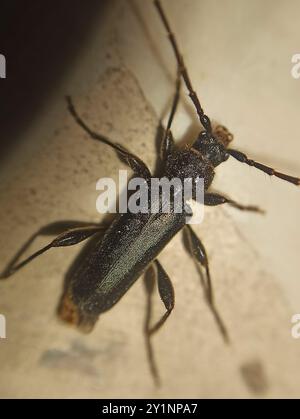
[{"x": 130, "y": 246}]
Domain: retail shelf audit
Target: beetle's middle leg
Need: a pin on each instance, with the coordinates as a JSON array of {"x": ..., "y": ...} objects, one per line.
[
  {"x": 69, "y": 233},
  {"x": 198, "y": 252},
  {"x": 166, "y": 292}
]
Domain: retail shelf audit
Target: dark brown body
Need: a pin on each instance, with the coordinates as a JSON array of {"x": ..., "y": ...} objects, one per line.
[{"x": 130, "y": 244}]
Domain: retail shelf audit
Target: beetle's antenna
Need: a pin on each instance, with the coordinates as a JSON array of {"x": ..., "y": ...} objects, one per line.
[
  {"x": 241, "y": 157},
  {"x": 204, "y": 119}
]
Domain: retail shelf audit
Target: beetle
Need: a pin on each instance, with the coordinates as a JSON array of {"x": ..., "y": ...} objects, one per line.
[{"x": 122, "y": 251}]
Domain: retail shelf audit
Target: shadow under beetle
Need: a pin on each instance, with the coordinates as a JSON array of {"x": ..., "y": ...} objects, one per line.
[{"x": 130, "y": 245}]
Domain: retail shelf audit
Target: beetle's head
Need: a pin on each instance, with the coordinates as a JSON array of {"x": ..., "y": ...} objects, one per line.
[
  {"x": 213, "y": 147},
  {"x": 70, "y": 313}
]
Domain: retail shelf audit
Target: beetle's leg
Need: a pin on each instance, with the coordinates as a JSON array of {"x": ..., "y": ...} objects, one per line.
[
  {"x": 149, "y": 279},
  {"x": 76, "y": 232},
  {"x": 135, "y": 163},
  {"x": 166, "y": 292},
  {"x": 54, "y": 228},
  {"x": 204, "y": 119},
  {"x": 167, "y": 143},
  {"x": 197, "y": 250},
  {"x": 213, "y": 199},
  {"x": 241, "y": 157}
]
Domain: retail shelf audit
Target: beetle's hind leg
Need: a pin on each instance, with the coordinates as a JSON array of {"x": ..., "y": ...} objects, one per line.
[
  {"x": 166, "y": 292},
  {"x": 198, "y": 252},
  {"x": 69, "y": 233}
]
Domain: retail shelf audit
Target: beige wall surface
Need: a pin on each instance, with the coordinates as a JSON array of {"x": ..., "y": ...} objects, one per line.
[{"x": 239, "y": 57}]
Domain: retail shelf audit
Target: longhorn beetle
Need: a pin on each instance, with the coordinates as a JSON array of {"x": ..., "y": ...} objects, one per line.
[{"x": 129, "y": 247}]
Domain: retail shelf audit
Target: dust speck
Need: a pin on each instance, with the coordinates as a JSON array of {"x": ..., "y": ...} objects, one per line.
[{"x": 254, "y": 376}]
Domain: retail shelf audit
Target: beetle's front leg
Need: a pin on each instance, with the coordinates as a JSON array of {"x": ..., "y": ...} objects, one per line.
[
  {"x": 69, "y": 233},
  {"x": 213, "y": 199},
  {"x": 139, "y": 168}
]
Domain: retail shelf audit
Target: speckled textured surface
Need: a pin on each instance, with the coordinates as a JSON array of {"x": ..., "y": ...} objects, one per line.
[{"x": 54, "y": 178}]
